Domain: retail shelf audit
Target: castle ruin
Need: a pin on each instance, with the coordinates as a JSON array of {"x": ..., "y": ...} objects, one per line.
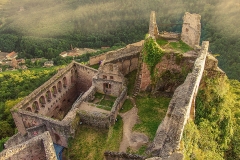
[{"x": 52, "y": 112}]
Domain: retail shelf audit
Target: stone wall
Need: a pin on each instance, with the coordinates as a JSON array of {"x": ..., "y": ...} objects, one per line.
[
  {"x": 40, "y": 147},
  {"x": 59, "y": 131},
  {"x": 62, "y": 90},
  {"x": 84, "y": 78},
  {"x": 117, "y": 105},
  {"x": 96, "y": 59},
  {"x": 191, "y": 29},
  {"x": 109, "y": 80},
  {"x": 96, "y": 119},
  {"x": 122, "y": 156},
  {"x": 18, "y": 138},
  {"x": 173, "y": 62},
  {"x": 126, "y": 58},
  {"x": 180, "y": 109},
  {"x": 153, "y": 29},
  {"x": 169, "y": 35}
]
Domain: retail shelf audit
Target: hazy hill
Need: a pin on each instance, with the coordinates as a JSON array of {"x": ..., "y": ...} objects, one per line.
[{"x": 50, "y": 26}]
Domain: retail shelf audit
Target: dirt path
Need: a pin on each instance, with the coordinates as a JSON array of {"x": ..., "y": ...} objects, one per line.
[{"x": 131, "y": 139}]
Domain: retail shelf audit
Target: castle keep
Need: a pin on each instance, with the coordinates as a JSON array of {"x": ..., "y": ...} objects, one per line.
[{"x": 51, "y": 113}]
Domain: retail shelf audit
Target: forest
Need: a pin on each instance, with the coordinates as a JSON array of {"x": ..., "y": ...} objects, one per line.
[{"x": 46, "y": 28}]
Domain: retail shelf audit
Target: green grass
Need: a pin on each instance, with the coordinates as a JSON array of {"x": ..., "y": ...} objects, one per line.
[
  {"x": 180, "y": 46},
  {"x": 126, "y": 106},
  {"x": 130, "y": 81},
  {"x": 91, "y": 143},
  {"x": 151, "y": 112},
  {"x": 108, "y": 108},
  {"x": 105, "y": 103},
  {"x": 161, "y": 42},
  {"x": 140, "y": 151}
]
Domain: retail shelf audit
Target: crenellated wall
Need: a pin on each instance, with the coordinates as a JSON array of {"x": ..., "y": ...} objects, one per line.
[{"x": 180, "y": 109}]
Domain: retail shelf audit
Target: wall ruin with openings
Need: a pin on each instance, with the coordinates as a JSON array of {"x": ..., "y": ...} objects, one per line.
[
  {"x": 109, "y": 80},
  {"x": 54, "y": 99},
  {"x": 126, "y": 58},
  {"x": 191, "y": 29}
]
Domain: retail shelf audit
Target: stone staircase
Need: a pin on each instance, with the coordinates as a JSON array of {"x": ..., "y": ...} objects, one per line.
[{"x": 138, "y": 77}]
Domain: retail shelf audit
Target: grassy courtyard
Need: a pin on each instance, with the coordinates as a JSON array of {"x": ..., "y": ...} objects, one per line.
[{"x": 91, "y": 143}]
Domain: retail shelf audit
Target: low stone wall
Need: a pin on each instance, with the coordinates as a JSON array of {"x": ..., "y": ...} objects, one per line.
[
  {"x": 122, "y": 156},
  {"x": 117, "y": 105},
  {"x": 180, "y": 109},
  {"x": 170, "y": 36},
  {"x": 96, "y": 119},
  {"x": 96, "y": 59},
  {"x": 39, "y": 147}
]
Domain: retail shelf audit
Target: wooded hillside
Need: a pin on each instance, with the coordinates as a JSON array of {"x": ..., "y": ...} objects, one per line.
[{"x": 45, "y": 28}]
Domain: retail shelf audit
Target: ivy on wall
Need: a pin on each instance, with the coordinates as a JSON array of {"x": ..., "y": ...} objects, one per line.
[{"x": 152, "y": 55}]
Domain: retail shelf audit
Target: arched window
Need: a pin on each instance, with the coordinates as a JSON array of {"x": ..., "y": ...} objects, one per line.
[
  {"x": 64, "y": 82},
  {"x": 29, "y": 109},
  {"x": 59, "y": 86},
  {"x": 42, "y": 100},
  {"x": 48, "y": 96},
  {"x": 35, "y": 107},
  {"x": 54, "y": 90}
]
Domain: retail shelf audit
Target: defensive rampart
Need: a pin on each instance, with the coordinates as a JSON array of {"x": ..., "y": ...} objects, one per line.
[{"x": 180, "y": 109}]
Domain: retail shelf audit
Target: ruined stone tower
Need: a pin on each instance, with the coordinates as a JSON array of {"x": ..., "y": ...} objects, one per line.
[
  {"x": 191, "y": 29},
  {"x": 153, "y": 29}
]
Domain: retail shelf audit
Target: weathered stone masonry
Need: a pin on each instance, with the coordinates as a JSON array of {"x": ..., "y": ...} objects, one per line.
[
  {"x": 39, "y": 147},
  {"x": 170, "y": 131}
]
